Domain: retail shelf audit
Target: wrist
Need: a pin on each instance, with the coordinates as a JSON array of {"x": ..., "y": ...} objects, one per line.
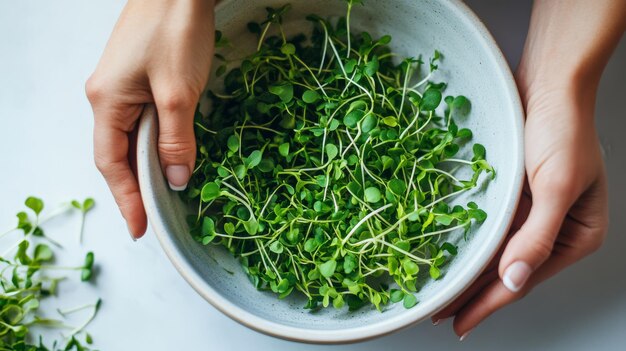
[
  {"x": 161, "y": 8},
  {"x": 546, "y": 74},
  {"x": 570, "y": 87}
]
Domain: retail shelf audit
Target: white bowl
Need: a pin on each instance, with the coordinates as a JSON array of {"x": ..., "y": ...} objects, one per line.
[{"x": 473, "y": 66}]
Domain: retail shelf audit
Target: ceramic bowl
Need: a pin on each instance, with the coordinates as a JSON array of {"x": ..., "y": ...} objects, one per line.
[{"x": 473, "y": 66}]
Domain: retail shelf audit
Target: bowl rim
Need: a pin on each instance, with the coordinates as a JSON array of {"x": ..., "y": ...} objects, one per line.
[{"x": 147, "y": 130}]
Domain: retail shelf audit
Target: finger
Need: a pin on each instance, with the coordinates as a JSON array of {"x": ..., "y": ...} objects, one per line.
[
  {"x": 111, "y": 156},
  {"x": 496, "y": 295},
  {"x": 532, "y": 244},
  {"x": 578, "y": 237},
  {"x": 177, "y": 143},
  {"x": 491, "y": 273},
  {"x": 485, "y": 279}
]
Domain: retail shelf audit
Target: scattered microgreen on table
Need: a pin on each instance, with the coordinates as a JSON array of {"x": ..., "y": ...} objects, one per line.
[
  {"x": 83, "y": 207},
  {"x": 326, "y": 164},
  {"x": 29, "y": 277}
]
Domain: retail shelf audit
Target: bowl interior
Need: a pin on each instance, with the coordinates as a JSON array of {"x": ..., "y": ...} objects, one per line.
[{"x": 472, "y": 66}]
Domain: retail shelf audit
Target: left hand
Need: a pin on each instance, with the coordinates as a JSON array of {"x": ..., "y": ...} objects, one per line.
[{"x": 563, "y": 213}]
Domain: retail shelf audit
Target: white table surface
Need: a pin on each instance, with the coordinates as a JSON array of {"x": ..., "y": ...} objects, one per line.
[{"x": 49, "y": 48}]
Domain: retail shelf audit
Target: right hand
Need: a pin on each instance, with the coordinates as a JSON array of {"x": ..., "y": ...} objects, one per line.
[{"x": 159, "y": 52}]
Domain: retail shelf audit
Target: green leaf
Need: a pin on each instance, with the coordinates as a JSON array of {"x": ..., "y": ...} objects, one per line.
[
  {"x": 409, "y": 301},
  {"x": 327, "y": 269},
  {"x": 461, "y": 105},
  {"x": 331, "y": 151},
  {"x": 464, "y": 134},
  {"x": 266, "y": 165},
  {"x": 352, "y": 119},
  {"x": 86, "y": 271},
  {"x": 479, "y": 152},
  {"x": 384, "y": 40},
  {"x": 371, "y": 67},
  {"x": 397, "y": 186},
  {"x": 434, "y": 272},
  {"x": 240, "y": 171},
  {"x": 222, "y": 171},
  {"x": 338, "y": 302},
  {"x": 35, "y": 204},
  {"x": 283, "y": 149},
  {"x": 288, "y": 49},
  {"x": 233, "y": 143},
  {"x": 276, "y": 247},
  {"x": 444, "y": 219},
  {"x": 431, "y": 99},
  {"x": 89, "y": 260},
  {"x": 310, "y": 245},
  {"x": 451, "y": 249},
  {"x": 283, "y": 91},
  {"x": 210, "y": 191},
  {"x": 451, "y": 150},
  {"x": 88, "y": 204},
  {"x": 283, "y": 286},
  {"x": 208, "y": 226},
  {"x": 369, "y": 122},
  {"x": 390, "y": 121},
  {"x": 392, "y": 265},
  {"x": 477, "y": 214},
  {"x": 409, "y": 266},
  {"x": 254, "y": 159},
  {"x": 310, "y": 96},
  {"x": 349, "y": 66},
  {"x": 251, "y": 226},
  {"x": 229, "y": 228},
  {"x": 21, "y": 254},
  {"x": 42, "y": 253},
  {"x": 349, "y": 264},
  {"x": 396, "y": 295},
  {"x": 372, "y": 194},
  {"x": 85, "y": 274}
]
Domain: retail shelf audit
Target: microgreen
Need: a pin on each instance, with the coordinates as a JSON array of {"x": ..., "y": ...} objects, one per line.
[
  {"x": 83, "y": 207},
  {"x": 334, "y": 167},
  {"x": 25, "y": 280}
]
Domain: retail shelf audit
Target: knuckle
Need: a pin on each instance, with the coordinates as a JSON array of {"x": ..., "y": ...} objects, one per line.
[
  {"x": 566, "y": 185},
  {"x": 100, "y": 162},
  {"x": 95, "y": 89},
  {"x": 176, "y": 100},
  {"x": 170, "y": 148},
  {"x": 593, "y": 240},
  {"x": 541, "y": 248}
]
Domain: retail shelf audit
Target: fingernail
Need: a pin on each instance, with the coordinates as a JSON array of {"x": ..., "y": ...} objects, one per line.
[
  {"x": 438, "y": 321},
  {"x": 177, "y": 177},
  {"x": 464, "y": 336},
  {"x": 516, "y": 275},
  {"x": 131, "y": 233}
]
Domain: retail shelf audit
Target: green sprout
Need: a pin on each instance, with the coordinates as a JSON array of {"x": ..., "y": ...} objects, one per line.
[
  {"x": 328, "y": 166},
  {"x": 26, "y": 280},
  {"x": 83, "y": 207}
]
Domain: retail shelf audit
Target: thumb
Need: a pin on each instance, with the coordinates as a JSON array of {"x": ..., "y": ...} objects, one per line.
[
  {"x": 534, "y": 241},
  {"x": 177, "y": 143}
]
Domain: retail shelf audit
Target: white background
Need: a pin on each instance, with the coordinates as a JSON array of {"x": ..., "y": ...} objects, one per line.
[{"x": 49, "y": 48}]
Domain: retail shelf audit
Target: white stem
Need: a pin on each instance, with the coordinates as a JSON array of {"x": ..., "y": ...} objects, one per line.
[{"x": 363, "y": 220}]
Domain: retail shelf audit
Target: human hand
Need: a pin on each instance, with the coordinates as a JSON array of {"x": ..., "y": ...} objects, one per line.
[
  {"x": 159, "y": 52},
  {"x": 563, "y": 214}
]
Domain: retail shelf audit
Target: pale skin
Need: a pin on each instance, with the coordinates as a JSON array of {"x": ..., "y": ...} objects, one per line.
[{"x": 161, "y": 51}]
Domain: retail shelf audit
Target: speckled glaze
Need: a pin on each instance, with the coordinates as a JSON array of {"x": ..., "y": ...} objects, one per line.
[{"x": 473, "y": 66}]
